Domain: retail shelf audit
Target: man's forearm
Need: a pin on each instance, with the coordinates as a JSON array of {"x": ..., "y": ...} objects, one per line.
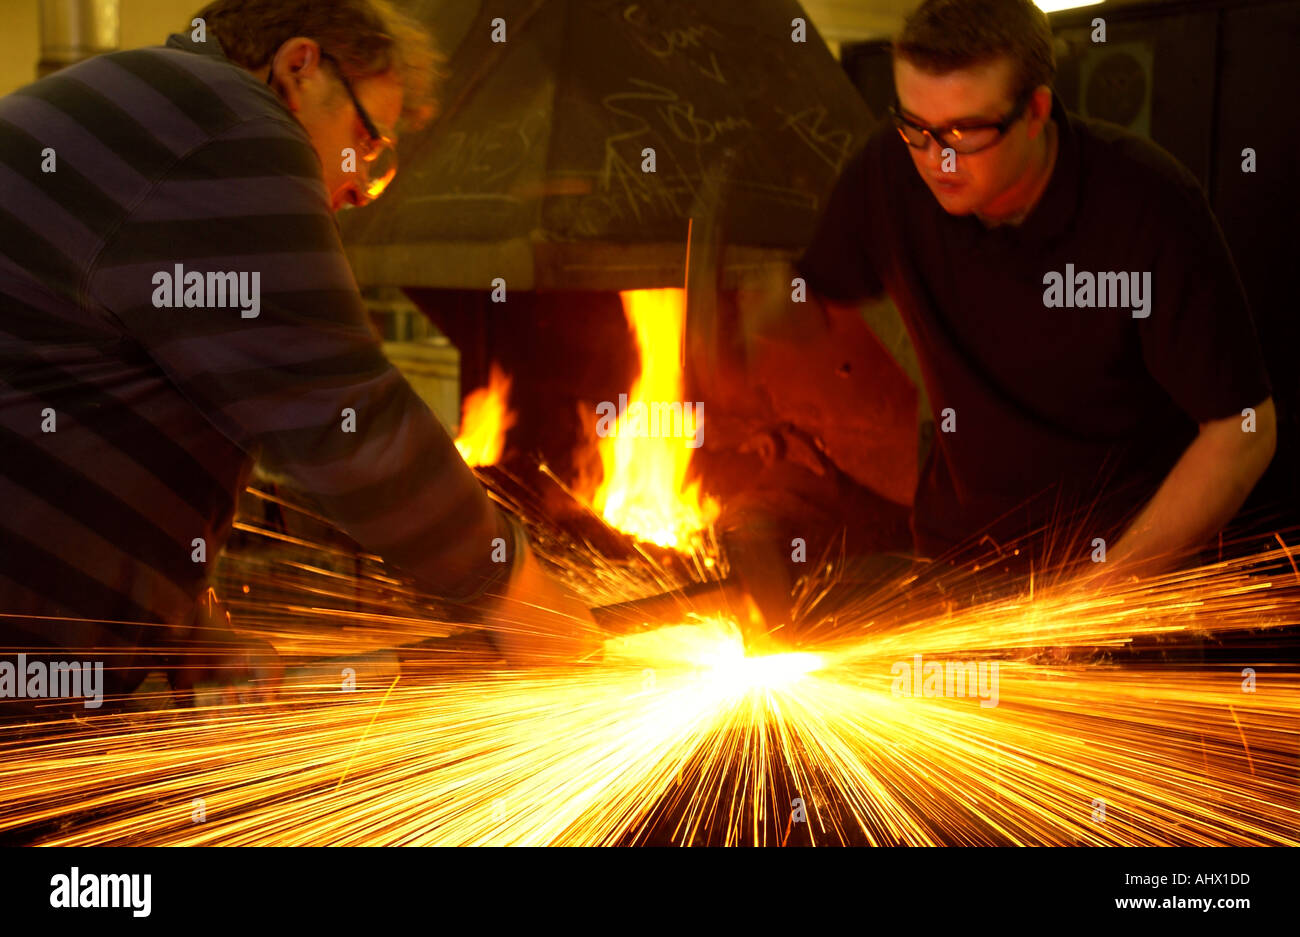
[
  {"x": 1199, "y": 496},
  {"x": 536, "y": 621}
]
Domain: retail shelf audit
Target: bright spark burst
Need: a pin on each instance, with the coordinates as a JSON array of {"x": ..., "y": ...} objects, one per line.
[
  {"x": 716, "y": 649},
  {"x": 678, "y": 736}
]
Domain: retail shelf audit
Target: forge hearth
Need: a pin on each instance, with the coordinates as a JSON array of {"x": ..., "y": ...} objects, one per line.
[{"x": 534, "y": 178}]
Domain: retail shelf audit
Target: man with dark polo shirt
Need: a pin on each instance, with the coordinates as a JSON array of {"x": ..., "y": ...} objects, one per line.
[{"x": 1083, "y": 336}]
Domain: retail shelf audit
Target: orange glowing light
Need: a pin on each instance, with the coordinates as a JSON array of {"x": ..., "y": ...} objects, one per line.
[
  {"x": 485, "y": 419},
  {"x": 647, "y": 455}
]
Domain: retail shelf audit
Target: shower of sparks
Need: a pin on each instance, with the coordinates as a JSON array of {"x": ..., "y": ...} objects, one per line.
[{"x": 677, "y": 736}]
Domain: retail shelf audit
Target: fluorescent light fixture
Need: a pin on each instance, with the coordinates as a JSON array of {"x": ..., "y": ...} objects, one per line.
[{"x": 1055, "y": 6}]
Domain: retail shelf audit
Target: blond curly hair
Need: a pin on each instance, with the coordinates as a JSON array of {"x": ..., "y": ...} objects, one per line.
[{"x": 367, "y": 37}]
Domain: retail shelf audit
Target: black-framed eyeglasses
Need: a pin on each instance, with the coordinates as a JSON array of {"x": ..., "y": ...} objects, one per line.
[
  {"x": 379, "y": 153},
  {"x": 963, "y": 138}
]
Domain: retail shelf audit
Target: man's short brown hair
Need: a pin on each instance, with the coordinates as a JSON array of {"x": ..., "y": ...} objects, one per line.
[
  {"x": 941, "y": 36},
  {"x": 367, "y": 37}
]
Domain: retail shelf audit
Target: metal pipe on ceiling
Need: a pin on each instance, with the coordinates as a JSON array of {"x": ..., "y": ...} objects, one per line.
[{"x": 73, "y": 30}]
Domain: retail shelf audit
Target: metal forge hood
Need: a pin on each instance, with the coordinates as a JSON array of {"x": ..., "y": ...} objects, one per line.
[{"x": 536, "y": 169}]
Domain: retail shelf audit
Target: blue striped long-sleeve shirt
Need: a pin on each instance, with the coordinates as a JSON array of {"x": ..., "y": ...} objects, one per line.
[{"x": 117, "y": 171}]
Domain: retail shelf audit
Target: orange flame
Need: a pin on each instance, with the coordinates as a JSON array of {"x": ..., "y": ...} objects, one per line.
[
  {"x": 644, "y": 491},
  {"x": 485, "y": 419}
]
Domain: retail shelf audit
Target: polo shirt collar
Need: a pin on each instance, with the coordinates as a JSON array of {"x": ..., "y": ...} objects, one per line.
[
  {"x": 183, "y": 41},
  {"x": 1055, "y": 212}
]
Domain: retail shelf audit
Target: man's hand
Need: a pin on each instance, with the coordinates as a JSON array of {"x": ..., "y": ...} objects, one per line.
[
  {"x": 1201, "y": 493},
  {"x": 538, "y": 622},
  {"x": 216, "y": 660}
]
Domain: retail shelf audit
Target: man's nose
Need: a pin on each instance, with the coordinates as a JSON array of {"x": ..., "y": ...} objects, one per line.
[
  {"x": 933, "y": 152},
  {"x": 354, "y": 196}
]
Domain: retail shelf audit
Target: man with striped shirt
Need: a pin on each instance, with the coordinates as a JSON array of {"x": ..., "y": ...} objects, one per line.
[{"x": 175, "y": 303}]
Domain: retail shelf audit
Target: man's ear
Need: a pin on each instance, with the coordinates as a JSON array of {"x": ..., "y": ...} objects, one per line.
[
  {"x": 297, "y": 61},
  {"x": 1040, "y": 109}
]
